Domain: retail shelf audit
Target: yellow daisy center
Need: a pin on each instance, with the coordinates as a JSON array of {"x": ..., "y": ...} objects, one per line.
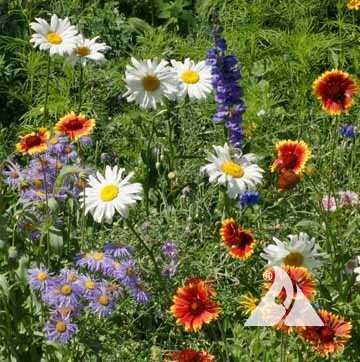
[
  {"x": 66, "y": 289},
  {"x": 190, "y": 77},
  {"x": 37, "y": 183},
  {"x": 54, "y": 38},
  {"x": 109, "y": 193},
  {"x": 233, "y": 169},
  {"x": 98, "y": 256},
  {"x": 103, "y": 300},
  {"x": 60, "y": 327},
  {"x": 294, "y": 259},
  {"x": 42, "y": 276},
  {"x": 82, "y": 51},
  {"x": 130, "y": 272},
  {"x": 150, "y": 82},
  {"x": 73, "y": 278},
  {"x": 54, "y": 140},
  {"x": 89, "y": 284}
]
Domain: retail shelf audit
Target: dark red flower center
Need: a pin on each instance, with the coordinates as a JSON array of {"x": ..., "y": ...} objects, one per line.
[
  {"x": 32, "y": 141},
  {"x": 244, "y": 239},
  {"x": 326, "y": 334},
  {"x": 196, "y": 306},
  {"x": 74, "y": 124},
  {"x": 289, "y": 160}
]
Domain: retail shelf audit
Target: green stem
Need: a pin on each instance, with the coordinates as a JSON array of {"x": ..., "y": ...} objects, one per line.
[
  {"x": 227, "y": 204},
  {"x": 148, "y": 168},
  {"x": 47, "y": 88},
  {"x": 150, "y": 253},
  {"x": 226, "y": 346},
  {"x": 171, "y": 148},
  {"x": 333, "y": 142},
  {"x": 47, "y": 212},
  {"x": 81, "y": 85}
]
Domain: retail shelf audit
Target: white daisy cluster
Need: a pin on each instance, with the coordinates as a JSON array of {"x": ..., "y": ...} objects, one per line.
[
  {"x": 61, "y": 38},
  {"x": 149, "y": 81}
]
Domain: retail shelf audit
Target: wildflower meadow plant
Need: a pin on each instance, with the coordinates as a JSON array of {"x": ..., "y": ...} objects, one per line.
[{"x": 133, "y": 205}]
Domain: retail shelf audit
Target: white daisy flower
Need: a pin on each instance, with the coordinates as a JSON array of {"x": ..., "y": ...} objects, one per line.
[
  {"x": 88, "y": 49},
  {"x": 59, "y": 37},
  {"x": 106, "y": 195},
  {"x": 194, "y": 79},
  {"x": 357, "y": 270},
  {"x": 299, "y": 251},
  {"x": 238, "y": 172},
  {"x": 148, "y": 82}
]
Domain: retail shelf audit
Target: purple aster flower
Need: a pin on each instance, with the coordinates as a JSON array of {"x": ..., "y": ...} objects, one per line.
[
  {"x": 102, "y": 302},
  {"x": 63, "y": 293},
  {"x": 127, "y": 273},
  {"x": 139, "y": 294},
  {"x": 169, "y": 270},
  {"x": 66, "y": 312},
  {"x": 248, "y": 198},
  {"x": 68, "y": 154},
  {"x": 93, "y": 261},
  {"x": 39, "y": 279},
  {"x": 87, "y": 284},
  {"x": 113, "y": 270},
  {"x": 59, "y": 329},
  {"x": 347, "y": 130},
  {"x": 169, "y": 249},
  {"x": 86, "y": 141},
  {"x": 70, "y": 276},
  {"x": 57, "y": 143},
  {"x": 118, "y": 250},
  {"x": 13, "y": 174}
]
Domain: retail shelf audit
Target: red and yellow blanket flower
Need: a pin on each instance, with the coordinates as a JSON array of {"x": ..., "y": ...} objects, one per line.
[
  {"x": 240, "y": 242},
  {"x": 299, "y": 276},
  {"x": 292, "y": 156},
  {"x": 190, "y": 355},
  {"x": 335, "y": 91},
  {"x": 193, "y": 304},
  {"x": 329, "y": 338},
  {"x": 75, "y": 126},
  {"x": 33, "y": 143}
]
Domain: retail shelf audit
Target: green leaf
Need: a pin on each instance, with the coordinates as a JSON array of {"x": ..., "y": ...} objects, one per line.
[
  {"x": 66, "y": 171},
  {"x": 56, "y": 240},
  {"x": 21, "y": 271},
  {"x": 4, "y": 286}
]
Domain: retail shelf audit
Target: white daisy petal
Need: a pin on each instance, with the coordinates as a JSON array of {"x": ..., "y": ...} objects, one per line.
[
  {"x": 299, "y": 251},
  {"x": 109, "y": 193},
  {"x": 59, "y": 37},
  {"x": 194, "y": 79},
  {"x": 238, "y": 173}
]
